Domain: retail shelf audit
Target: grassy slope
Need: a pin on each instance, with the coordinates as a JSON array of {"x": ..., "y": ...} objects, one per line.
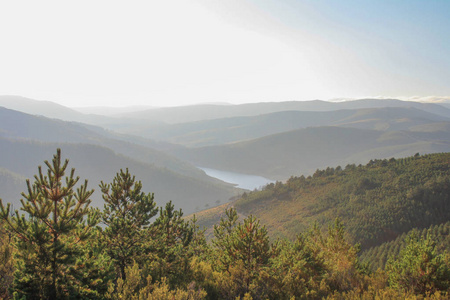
[{"x": 376, "y": 202}]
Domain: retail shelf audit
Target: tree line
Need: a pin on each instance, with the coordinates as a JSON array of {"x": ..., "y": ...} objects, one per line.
[{"x": 59, "y": 247}]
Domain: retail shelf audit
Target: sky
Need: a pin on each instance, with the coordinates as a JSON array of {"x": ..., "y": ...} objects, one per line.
[{"x": 181, "y": 52}]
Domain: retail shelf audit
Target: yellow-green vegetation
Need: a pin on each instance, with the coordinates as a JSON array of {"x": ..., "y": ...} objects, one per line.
[
  {"x": 376, "y": 257},
  {"x": 6, "y": 261},
  {"x": 144, "y": 252},
  {"x": 377, "y": 202}
]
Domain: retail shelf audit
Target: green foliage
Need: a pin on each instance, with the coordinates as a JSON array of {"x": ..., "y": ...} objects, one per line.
[
  {"x": 198, "y": 246},
  {"x": 6, "y": 262},
  {"x": 376, "y": 257},
  {"x": 298, "y": 271},
  {"x": 418, "y": 268},
  {"x": 127, "y": 213},
  {"x": 377, "y": 202},
  {"x": 60, "y": 253},
  {"x": 243, "y": 251},
  {"x": 135, "y": 288},
  {"x": 172, "y": 236},
  {"x": 50, "y": 239}
]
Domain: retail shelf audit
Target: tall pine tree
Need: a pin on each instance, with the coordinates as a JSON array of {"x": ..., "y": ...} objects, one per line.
[
  {"x": 50, "y": 236},
  {"x": 127, "y": 213}
]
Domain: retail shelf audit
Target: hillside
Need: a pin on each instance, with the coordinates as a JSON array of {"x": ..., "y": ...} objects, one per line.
[
  {"x": 27, "y": 140},
  {"x": 376, "y": 257},
  {"x": 17, "y": 125},
  {"x": 47, "y": 109},
  {"x": 376, "y": 202},
  {"x": 184, "y": 114},
  {"x": 302, "y": 151},
  {"x": 235, "y": 129},
  {"x": 97, "y": 163},
  {"x": 11, "y": 184}
]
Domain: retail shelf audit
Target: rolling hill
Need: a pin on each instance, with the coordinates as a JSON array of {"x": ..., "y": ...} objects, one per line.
[
  {"x": 184, "y": 114},
  {"x": 23, "y": 137},
  {"x": 302, "y": 151},
  {"x": 376, "y": 202},
  {"x": 97, "y": 163},
  {"x": 235, "y": 129},
  {"x": 14, "y": 124},
  {"x": 46, "y": 108}
]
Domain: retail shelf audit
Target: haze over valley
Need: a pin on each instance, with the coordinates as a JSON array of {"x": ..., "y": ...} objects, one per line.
[
  {"x": 238, "y": 149},
  {"x": 270, "y": 140}
]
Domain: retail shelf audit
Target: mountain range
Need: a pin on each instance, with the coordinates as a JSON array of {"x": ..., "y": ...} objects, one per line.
[
  {"x": 164, "y": 146},
  {"x": 27, "y": 140}
]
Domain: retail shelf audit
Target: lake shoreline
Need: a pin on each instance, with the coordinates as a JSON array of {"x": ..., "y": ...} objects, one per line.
[{"x": 243, "y": 181}]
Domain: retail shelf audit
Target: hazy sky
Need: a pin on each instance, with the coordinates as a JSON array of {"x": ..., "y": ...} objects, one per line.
[{"x": 172, "y": 52}]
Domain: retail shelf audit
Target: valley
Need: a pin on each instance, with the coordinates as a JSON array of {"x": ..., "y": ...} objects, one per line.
[{"x": 376, "y": 169}]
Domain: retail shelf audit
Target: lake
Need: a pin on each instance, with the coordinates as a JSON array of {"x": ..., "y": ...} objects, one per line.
[{"x": 243, "y": 181}]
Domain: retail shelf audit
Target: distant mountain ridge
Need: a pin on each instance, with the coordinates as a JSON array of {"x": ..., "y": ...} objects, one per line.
[
  {"x": 14, "y": 124},
  {"x": 193, "y": 113},
  {"x": 24, "y": 136},
  {"x": 97, "y": 163},
  {"x": 273, "y": 139},
  {"x": 43, "y": 108},
  {"x": 111, "y": 111},
  {"x": 302, "y": 151},
  {"x": 235, "y": 129}
]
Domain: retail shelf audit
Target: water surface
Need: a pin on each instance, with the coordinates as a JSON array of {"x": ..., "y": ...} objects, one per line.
[{"x": 243, "y": 181}]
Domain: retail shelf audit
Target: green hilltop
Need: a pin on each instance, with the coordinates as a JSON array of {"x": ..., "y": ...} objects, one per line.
[{"x": 377, "y": 202}]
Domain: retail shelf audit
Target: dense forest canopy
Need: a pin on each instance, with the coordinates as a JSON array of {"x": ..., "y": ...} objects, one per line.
[{"x": 59, "y": 247}]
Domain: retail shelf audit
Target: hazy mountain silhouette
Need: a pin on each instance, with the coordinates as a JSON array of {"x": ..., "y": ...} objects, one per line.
[
  {"x": 228, "y": 130},
  {"x": 43, "y": 108},
  {"x": 302, "y": 151},
  {"x": 273, "y": 140},
  {"x": 23, "y": 135},
  {"x": 193, "y": 113},
  {"x": 14, "y": 124},
  {"x": 110, "y": 111},
  {"x": 96, "y": 163}
]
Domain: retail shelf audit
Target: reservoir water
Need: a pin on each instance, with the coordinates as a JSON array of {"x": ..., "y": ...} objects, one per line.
[{"x": 243, "y": 181}]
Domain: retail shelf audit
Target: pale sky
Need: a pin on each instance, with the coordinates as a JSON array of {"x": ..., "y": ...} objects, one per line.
[{"x": 179, "y": 52}]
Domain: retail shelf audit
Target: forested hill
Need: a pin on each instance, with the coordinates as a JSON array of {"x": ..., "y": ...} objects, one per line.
[
  {"x": 302, "y": 151},
  {"x": 377, "y": 257},
  {"x": 377, "y": 202}
]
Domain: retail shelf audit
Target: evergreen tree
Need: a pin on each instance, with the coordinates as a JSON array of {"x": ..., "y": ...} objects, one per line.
[
  {"x": 127, "y": 213},
  {"x": 244, "y": 251},
  {"x": 298, "y": 271},
  {"x": 199, "y": 245},
  {"x": 222, "y": 233},
  {"x": 6, "y": 262},
  {"x": 170, "y": 245},
  {"x": 418, "y": 268},
  {"x": 50, "y": 237}
]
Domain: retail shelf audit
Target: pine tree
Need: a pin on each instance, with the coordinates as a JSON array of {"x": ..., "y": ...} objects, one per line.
[
  {"x": 6, "y": 262},
  {"x": 50, "y": 237},
  {"x": 127, "y": 213},
  {"x": 243, "y": 250},
  {"x": 221, "y": 239},
  {"x": 418, "y": 268},
  {"x": 170, "y": 245}
]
